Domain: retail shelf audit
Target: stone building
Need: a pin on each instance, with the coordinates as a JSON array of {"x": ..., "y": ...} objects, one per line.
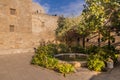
[
  {"x": 43, "y": 25},
  {"x": 23, "y": 24},
  {"x": 15, "y": 16}
]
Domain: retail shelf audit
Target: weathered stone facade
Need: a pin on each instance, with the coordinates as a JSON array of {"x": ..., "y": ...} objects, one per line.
[
  {"x": 44, "y": 25},
  {"x": 17, "y": 13},
  {"x": 22, "y": 27}
]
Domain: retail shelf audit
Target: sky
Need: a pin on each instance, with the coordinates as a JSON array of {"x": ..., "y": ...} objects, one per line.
[{"x": 62, "y": 7}]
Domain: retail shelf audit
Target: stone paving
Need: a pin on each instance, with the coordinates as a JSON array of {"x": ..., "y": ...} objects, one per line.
[{"x": 18, "y": 67}]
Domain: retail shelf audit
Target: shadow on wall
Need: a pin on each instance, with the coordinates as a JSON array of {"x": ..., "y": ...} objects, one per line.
[{"x": 113, "y": 74}]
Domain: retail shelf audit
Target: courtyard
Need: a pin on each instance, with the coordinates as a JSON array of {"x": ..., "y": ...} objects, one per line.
[{"x": 18, "y": 67}]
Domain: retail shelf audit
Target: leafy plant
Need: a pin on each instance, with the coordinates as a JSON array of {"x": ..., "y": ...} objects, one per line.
[
  {"x": 65, "y": 68},
  {"x": 78, "y": 49},
  {"x": 110, "y": 52},
  {"x": 62, "y": 48},
  {"x": 92, "y": 49},
  {"x": 51, "y": 63},
  {"x": 95, "y": 63},
  {"x": 44, "y": 57},
  {"x": 97, "y": 58}
]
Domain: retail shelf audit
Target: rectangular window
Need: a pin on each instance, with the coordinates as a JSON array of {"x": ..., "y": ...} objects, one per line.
[
  {"x": 12, "y": 11},
  {"x": 12, "y": 28},
  {"x": 43, "y": 24}
]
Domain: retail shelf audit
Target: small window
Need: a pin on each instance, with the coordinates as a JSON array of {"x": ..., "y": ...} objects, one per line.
[
  {"x": 43, "y": 24},
  {"x": 12, "y": 11},
  {"x": 12, "y": 28}
]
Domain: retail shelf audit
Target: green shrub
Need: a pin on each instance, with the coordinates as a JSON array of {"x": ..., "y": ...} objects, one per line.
[
  {"x": 110, "y": 52},
  {"x": 51, "y": 63},
  {"x": 95, "y": 63},
  {"x": 44, "y": 57},
  {"x": 107, "y": 47},
  {"x": 97, "y": 59},
  {"x": 49, "y": 49},
  {"x": 77, "y": 49},
  {"x": 92, "y": 49},
  {"x": 45, "y": 61},
  {"x": 65, "y": 68},
  {"x": 52, "y": 49},
  {"x": 105, "y": 52},
  {"x": 62, "y": 48}
]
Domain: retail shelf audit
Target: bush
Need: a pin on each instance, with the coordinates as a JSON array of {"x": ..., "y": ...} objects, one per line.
[
  {"x": 105, "y": 51},
  {"x": 110, "y": 52},
  {"x": 44, "y": 57},
  {"x": 95, "y": 63},
  {"x": 99, "y": 56},
  {"x": 65, "y": 68},
  {"x": 62, "y": 48},
  {"x": 92, "y": 49},
  {"x": 77, "y": 49},
  {"x": 51, "y": 63},
  {"x": 49, "y": 49}
]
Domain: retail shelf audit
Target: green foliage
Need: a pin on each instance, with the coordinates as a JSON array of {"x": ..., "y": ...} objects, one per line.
[
  {"x": 95, "y": 62},
  {"x": 110, "y": 52},
  {"x": 102, "y": 16},
  {"x": 62, "y": 48},
  {"x": 44, "y": 57},
  {"x": 66, "y": 30},
  {"x": 65, "y": 68},
  {"x": 45, "y": 61},
  {"x": 51, "y": 63},
  {"x": 92, "y": 49},
  {"x": 100, "y": 55},
  {"x": 49, "y": 49},
  {"x": 77, "y": 49},
  {"x": 105, "y": 51}
]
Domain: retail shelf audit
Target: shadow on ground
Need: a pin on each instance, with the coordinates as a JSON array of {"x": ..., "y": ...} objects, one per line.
[{"x": 113, "y": 74}]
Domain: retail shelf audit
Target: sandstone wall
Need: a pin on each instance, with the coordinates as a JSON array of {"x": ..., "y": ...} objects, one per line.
[
  {"x": 30, "y": 27},
  {"x": 20, "y": 37},
  {"x": 36, "y": 8},
  {"x": 44, "y": 26},
  {"x": 21, "y": 19},
  {"x": 93, "y": 40}
]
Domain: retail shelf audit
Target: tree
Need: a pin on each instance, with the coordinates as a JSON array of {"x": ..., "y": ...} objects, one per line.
[
  {"x": 102, "y": 15},
  {"x": 66, "y": 30}
]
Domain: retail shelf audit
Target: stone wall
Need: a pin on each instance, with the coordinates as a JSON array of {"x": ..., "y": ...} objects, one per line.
[
  {"x": 44, "y": 26},
  {"x": 15, "y": 13},
  {"x": 31, "y": 26},
  {"x": 37, "y": 8},
  {"x": 21, "y": 19}
]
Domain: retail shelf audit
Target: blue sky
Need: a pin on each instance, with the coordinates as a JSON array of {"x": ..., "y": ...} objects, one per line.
[{"x": 62, "y": 7}]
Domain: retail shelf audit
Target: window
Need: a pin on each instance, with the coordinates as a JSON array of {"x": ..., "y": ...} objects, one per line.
[
  {"x": 12, "y": 11},
  {"x": 43, "y": 24},
  {"x": 12, "y": 28}
]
